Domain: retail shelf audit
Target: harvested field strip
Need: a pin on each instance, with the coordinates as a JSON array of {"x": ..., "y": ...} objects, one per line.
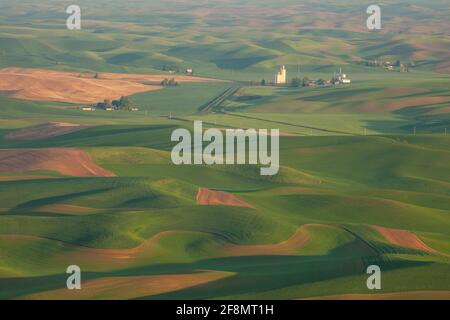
[
  {"x": 67, "y": 161},
  {"x": 208, "y": 197},
  {"x": 25, "y": 177},
  {"x": 48, "y": 85},
  {"x": 287, "y": 247},
  {"x": 67, "y": 209},
  {"x": 43, "y": 131},
  {"x": 404, "y": 238},
  {"x": 129, "y": 287}
]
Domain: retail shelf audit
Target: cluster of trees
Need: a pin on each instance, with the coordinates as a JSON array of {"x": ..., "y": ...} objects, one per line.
[
  {"x": 377, "y": 63},
  {"x": 171, "y": 68},
  {"x": 124, "y": 103},
  {"x": 169, "y": 83},
  {"x": 306, "y": 82},
  {"x": 402, "y": 67},
  {"x": 297, "y": 82}
]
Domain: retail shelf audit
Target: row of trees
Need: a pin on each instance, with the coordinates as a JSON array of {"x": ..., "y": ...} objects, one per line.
[
  {"x": 300, "y": 82},
  {"x": 306, "y": 82},
  {"x": 402, "y": 67}
]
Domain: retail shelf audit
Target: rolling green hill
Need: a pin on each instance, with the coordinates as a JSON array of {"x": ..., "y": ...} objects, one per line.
[
  {"x": 364, "y": 168},
  {"x": 150, "y": 196}
]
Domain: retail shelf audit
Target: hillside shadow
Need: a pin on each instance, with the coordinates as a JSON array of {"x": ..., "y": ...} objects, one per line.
[
  {"x": 253, "y": 275},
  {"x": 388, "y": 126}
]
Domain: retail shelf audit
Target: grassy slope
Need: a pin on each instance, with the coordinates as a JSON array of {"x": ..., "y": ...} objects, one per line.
[
  {"x": 336, "y": 177},
  {"x": 347, "y": 181},
  {"x": 151, "y": 196},
  {"x": 181, "y": 100}
]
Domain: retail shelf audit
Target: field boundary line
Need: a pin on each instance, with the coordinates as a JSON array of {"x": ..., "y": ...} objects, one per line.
[{"x": 290, "y": 124}]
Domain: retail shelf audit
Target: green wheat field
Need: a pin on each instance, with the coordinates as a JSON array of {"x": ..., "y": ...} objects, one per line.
[{"x": 364, "y": 167}]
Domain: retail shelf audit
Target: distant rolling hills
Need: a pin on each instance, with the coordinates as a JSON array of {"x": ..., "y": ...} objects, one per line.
[{"x": 291, "y": 33}]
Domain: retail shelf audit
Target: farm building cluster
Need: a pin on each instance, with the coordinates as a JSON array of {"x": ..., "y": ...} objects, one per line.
[
  {"x": 122, "y": 104},
  {"x": 281, "y": 79}
]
